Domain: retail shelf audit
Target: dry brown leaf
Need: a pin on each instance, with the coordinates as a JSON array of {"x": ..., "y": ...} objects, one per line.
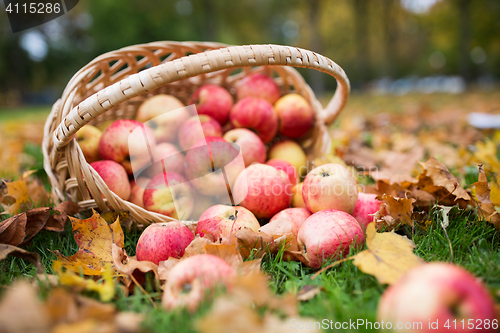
[
  {"x": 394, "y": 212},
  {"x": 10, "y": 250},
  {"x": 58, "y": 220},
  {"x": 485, "y": 205},
  {"x": 388, "y": 256},
  {"x": 308, "y": 292},
  {"x": 12, "y": 230},
  {"x": 94, "y": 238},
  {"x": 36, "y": 219},
  {"x": 131, "y": 267},
  {"x": 126, "y": 219},
  {"x": 249, "y": 240}
]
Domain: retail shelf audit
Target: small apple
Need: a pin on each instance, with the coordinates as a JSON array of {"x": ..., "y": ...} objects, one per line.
[
  {"x": 122, "y": 143},
  {"x": 164, "y": 115},
  {"x": 205, "y": 162},
  {"x": 366, "y": 206},
  {"x": 287, "y": 167},
  {"x": 190, "y": 131},
  {"x": 169, "y": 194},
  {"x": 189, "y": 281},
  {"x": 330, "y": 186},
  {"x": 137, "y": 190},
  {"x": 435, "y": 295},
  {"x": 252, "y": 147},
  {"x": 214, "y": 101},
  {"x": 328, "y": 234},
  {"x": 295, "y": 115},
  {"x": 260, "y": 86},
  {"x": 297, "y": 199},
  {"x": 167, "y": 159},
  {"x": 255, "y": 114},
  {"x": 115, "y": 177},
  {"x": 291, "y": 152},
  {"x": 88, "y": 139},
  {"x": 221, "y": 221},
  {"x": 269, "y": 190},
  {"x": 286, "y": 222},
  {"x": 160, "y": 241}
]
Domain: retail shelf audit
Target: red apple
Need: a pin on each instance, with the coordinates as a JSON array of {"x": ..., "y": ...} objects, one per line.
[
  {"x": 137, "y": 190},
  {"x": 295, "y": 115},
  {"x": 328, "y": 234},
  {"x": 169, "y": 194},
  {"x": 269, "y": 190},
  {"x": 287, "y": 167},
  {"x": 189, "y": 280},
  {"x": 252, "y": 147},
  {"x": 127, "y": 142},
  {"x": 206, "y": 161},
  {"x": 191, "y": 131},
  {"x": 260, "y": 86},
  {"x": 167, "y": 159},
  {"x": 257, "y": 115},
  {"x": 330, "y": 186},
  {"x": 160, "y": 241},
  {"x": 366, "y": 206},
  {"x": 286, "y": 222},
  {"x": 291, "y": 152},
  {"x": 214, "y": 101},
  {"x": 88, "y": 139},
  {"x": 115, "y": 177},
  {"x": 442, "y": 297},
  {"x": 297, "y": 199},
  {"x": 221, "y": 221},
  {"x": 164, "y": 115}
]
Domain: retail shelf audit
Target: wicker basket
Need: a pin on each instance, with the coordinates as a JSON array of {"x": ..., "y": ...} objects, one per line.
[{"x": 114, "y": 84}]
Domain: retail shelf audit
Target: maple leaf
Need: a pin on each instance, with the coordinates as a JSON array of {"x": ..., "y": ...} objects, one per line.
[
  {"x": 486, "y": 206},
  {"x": 388, "y": 256},
  {"x": 393, "y": 212},
  {"x": 18, "y": 191},
  {"x": 94, "y": 238}
]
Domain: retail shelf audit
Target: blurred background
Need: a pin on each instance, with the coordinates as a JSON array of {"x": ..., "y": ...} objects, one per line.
[{"x": 386, "y": 46}]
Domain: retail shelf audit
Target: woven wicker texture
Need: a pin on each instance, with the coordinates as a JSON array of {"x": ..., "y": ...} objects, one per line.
[{"x": 114, "y": 84}]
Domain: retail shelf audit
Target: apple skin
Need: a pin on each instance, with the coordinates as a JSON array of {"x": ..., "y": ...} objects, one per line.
[
  {"x": 115, "y": 177},
  {"x": 252, "y": 147},
  {"x": 137, "y": 190},
  {"x": 295, "y": 115},
  {"x": 221, "y": 221},
  {"x": 213, "y": 101},
  {"x": 189, "y": 131},
  {"x": 288, "y": 221},
  {"x": 260, "y": 86},
  {"x": 166, "y": 126},
  {"x": 88, "y": 139},
  {"x": 114, "y": 144},
  {"x": 160, "y": 241},
  {"x": 255, "y": 114},
  {"x": 159, "y": 198},
  {"x": 269, "y": 190},
  {"x": 291, "y": 152},
  {"x": 173, "y": 160},
  {"x": 366, "y": 206},
  {"x": 287, "y": 167},
  {"x": 190, "y": 279},
  {"x": 330, "y": 186},
  {"x": 297, "y": 199},
  {"x": 328, "y": 234},
  {"x": 437, "y": 292},
  {"x": 199, "y": 160}
]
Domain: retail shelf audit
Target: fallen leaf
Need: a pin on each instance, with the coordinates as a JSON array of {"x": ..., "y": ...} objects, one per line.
[
  {"x": 131, "y": 267},
  {"x": 58, "y": 220},
  {"x": 32, "y": 257},
  {"x": 255, "y": 243},
  {"x": 485, "y": 205},
  {"x": 308, "y": 292},
  {"x": 94, "y": 238},
  {"x": 388, "y": 256},
  {"x": 394, "y": 212},
  {"x": 126, "y": 219},
  {"x": 12, "y": 230},
  {"x": 18, "y": 191}
]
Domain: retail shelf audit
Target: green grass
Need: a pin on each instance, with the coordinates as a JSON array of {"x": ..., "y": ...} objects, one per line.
[
  {"x": 31, "y": 113},
  {"x": 348, "y": 294}
]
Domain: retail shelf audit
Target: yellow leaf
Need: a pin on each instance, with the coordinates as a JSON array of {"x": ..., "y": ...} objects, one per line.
[
  {"x": 106, "y": 288},
  {"x": 94, "y": 238},
  {"x": 393, "y": 212},
  {"x": 486, "y": 206},
  {"x": 18, "y": 190},
  {"x": 495, "y": 191},
  {"x": 388, "y": 256}
]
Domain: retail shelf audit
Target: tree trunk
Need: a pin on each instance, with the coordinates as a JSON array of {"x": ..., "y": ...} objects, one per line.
[{"x": 362, "y": 43}]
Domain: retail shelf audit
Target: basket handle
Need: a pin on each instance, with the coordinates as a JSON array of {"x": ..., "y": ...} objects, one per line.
[{"x": 200, "y": 63}]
